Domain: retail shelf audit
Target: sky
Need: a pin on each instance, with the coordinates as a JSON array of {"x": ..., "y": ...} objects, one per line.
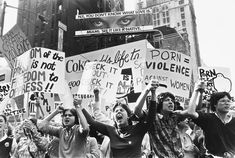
[{"x": 215, "y": 26}]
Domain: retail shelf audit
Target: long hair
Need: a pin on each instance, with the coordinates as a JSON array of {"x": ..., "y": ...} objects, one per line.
[
  {"x": 215, "y": 97},
  {"x": 74, "y": 113}
]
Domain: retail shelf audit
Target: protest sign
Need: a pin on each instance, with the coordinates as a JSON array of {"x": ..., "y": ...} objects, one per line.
[
  {"x": 217, "y": 79},
  {"x": 171, "y": 69},
  {"x": 128, "y": 57},
  {"x": 4, "y": 89},
  {"x": 13, "y": 44},
  {"x": 38, "y": 70},
  {"x": 102, "y": 76}
]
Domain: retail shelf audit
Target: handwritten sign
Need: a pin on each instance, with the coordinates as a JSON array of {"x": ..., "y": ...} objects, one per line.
[
  {"x": 4, "y": 89},
  {"x": 38, "y": 70},
  {"x": 170, "y": 68},
  {"x": 126, "y": 56},
  {"x": 13, "y": 44},
  {"x": 218, "y": 79},
  {"x": 100, "y": 75}
]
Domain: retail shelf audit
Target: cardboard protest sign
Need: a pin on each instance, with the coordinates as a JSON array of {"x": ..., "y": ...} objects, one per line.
[
  {"x": 115, "y": 22},
  {"x": 100, "y": 75},
  {"x": 13, "y": 44},
  {"x": 171, "y": 69},
  {"x": 128, "y": 57},
  {"x": 4, "y": 89},
  {"x": 38, "y": 70},
  {"x": 67, "y": 97},
  {"x": 217, "y": 79}
]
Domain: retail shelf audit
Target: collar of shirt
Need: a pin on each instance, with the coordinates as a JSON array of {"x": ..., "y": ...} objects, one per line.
[
  {"x": 3, "y": 138},
  {"x": 227, "y": 120}
]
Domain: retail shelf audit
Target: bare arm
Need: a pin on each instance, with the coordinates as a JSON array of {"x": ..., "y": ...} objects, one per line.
[
  {"x": 141, "y": 99},
  {"x": 83, "y": 120},
  {"x": 191, "y": 111},
  {"x": 99, "y": 116}
]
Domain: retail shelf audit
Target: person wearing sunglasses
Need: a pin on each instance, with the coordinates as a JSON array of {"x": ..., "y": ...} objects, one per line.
[{"x": 72, "y": 135}]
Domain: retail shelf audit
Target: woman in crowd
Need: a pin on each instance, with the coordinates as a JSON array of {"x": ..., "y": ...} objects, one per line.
[
  {"x": 164, "y": 130},
  {"x": 31, "y": 144},
  {"x": 125, "y": 138},
  {"x": 219, "y": 126},
  {"x": 7, "y": 144},
  {"x": 72, "y": 136}
]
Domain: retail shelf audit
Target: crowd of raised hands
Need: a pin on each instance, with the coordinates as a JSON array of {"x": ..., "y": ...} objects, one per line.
[{"x": 162, "y": 130}]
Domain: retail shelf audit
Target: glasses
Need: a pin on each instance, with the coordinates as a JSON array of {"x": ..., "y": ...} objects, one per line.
[
  {"x": 225, "y": 101},
  {"x": 69, "y": 115}
]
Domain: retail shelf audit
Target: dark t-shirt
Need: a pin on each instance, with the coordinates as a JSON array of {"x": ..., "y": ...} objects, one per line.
[
  {"x": 219, "y": 137},
  {"x": 5, "y": 147},
  {"x": 125, "y": 143}
]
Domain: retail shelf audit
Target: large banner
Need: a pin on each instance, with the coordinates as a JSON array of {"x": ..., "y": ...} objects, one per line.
[
  {"x": 102, "y": 76},
  {"x": 13, "y": 44},
  {"x": 115, "y": 22},
  {"x": 171, "y": 69},
  {"x": 128, "y": 57},
  {"x": 38, "y": 70},
  {"x": 217, "y": 79}
]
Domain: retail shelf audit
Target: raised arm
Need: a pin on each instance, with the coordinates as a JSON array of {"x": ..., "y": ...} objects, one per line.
[
  {"x": 198, "y": 89},
  {"x": 99, "y": 116},
  {"x": 191, "y": 111},
  {"x": 83, "y": 120},
  {"x": 141, "y": 99},
  {"x": 44, "y": 124}
]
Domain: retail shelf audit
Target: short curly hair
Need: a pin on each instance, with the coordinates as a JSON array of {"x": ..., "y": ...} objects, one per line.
[
  {"x": 215, "y": 97},
  {"x": 161, "y": 97}
]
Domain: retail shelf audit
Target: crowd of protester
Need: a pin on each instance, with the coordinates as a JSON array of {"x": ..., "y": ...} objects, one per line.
[{"x": 202, "y": 129}]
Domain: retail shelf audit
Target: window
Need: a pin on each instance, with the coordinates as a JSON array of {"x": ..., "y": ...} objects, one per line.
[
  {"x": 154, "y": 16},
  {"x": 2, "y": 77},
  {"x": 168, "y": 19},
  {"x": 167, "y": 13},
  {"x": 158, "y": 22},
  {"x": 182, "y": 9},
  {"x": 184, "y": 23},
  {"x": 181, "y": 2},
  {"x": 182, "y": 16},
  {"x": 157, "y": 15},
  {"x": 164, "y": 20},
  {"x": 42, "y": 43},
  {"x": 155, "y": 23},
  {"x": 163, "y": 14}
]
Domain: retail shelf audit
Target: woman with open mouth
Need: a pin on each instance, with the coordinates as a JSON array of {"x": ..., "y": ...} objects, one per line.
[
  {"x": 73, "y": 135},
  {"x": 125, "y": 137}
]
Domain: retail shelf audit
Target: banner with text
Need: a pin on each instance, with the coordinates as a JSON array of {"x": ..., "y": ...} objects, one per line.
[
  {"x": 217, "y": 79},
  {"x": 171, "y": 69},
  {"x": 129, "y": 57},
  {"x": 115, "y": 22},
  {"x": 100, "y": 75},
  {"x": 38, "y": 70},
  {"x": 13, "y": 44}
]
